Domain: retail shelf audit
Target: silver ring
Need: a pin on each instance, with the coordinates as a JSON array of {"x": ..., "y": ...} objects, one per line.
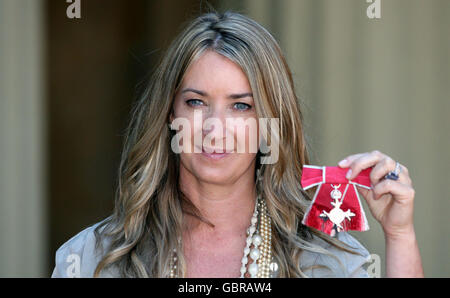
[{"x": 394, "y": 175}]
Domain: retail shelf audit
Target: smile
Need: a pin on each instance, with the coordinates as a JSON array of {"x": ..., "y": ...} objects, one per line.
[{"x": 215, "y": 153}]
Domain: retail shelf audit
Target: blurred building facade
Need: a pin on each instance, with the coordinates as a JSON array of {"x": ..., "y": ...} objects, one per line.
[{"x": 67, "y": 86}]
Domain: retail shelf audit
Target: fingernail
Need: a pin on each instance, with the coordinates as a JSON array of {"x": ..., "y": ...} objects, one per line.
[
  {"x": 342, "y": 162},
  {"x": 349, "y": 174}
]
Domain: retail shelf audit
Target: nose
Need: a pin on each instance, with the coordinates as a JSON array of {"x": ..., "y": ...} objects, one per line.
[{"x": 214, "y": 127}]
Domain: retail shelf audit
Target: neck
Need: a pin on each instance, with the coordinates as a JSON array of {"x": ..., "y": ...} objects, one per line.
[{"x": 226, "y": 208}]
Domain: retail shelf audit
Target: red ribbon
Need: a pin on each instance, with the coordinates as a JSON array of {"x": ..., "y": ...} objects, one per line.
[{"x": 325, "y": 212}]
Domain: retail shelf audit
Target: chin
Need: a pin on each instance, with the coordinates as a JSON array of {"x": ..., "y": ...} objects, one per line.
[
  {"x": 215, "y": 174},
  {"x": 217, "y": 170},
  {"x": 220, "y": 171}
]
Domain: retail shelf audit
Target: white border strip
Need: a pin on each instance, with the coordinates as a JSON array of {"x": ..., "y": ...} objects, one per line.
[
  {"x": 366, "y": 223},
  {"x": 310, "y": 206}
]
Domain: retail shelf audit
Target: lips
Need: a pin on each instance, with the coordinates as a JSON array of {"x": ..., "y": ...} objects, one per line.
[
  {"x": 216, "y": 150},
  {"x": 216, "y": 153}
]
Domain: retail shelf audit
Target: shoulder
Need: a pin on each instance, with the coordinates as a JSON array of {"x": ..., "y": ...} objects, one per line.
[
  {"x": 78, "y": 257},
  {"x": 331, "y": 261}
]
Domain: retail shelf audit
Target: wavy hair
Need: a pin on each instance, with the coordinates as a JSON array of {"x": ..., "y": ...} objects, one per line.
[{"x": 147, "y": 220}]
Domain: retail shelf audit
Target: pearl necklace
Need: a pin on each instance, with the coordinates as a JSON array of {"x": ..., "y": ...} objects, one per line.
[{"x": 258, "y": 247}]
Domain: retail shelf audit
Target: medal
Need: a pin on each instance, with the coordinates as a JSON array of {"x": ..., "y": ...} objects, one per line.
[
  {"x": 332, "y": 211},
  {"x": 337, "y": 216}
]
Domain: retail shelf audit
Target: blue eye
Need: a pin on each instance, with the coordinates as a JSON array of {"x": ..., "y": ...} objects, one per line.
[
  {"x": 194, "y": 102},
  {"x": 242, "y": 106}
]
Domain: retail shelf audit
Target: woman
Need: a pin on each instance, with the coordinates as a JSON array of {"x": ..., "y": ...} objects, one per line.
[{"x": 210, "y": 210}]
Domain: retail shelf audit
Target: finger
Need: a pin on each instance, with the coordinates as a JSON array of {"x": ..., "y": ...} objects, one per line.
[
  {"x": 344, "y": 163},
  {"x": 363, "y": 162},
  {"x": 385, "y": 166},
  {"x": 398, "y": 190},
  {"x": 381, "y": 169}
]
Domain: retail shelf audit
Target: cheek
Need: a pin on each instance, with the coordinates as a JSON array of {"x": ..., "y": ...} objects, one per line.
[
  {"x": 190, "y": 129},
  {"x": 246, "y": 137}
]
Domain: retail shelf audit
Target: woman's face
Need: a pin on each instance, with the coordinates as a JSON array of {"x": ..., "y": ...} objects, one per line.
[{"x": 219, "y": 142}]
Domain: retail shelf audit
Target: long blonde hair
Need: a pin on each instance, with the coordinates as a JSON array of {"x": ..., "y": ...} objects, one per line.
[{"x": 146, "y": 223}]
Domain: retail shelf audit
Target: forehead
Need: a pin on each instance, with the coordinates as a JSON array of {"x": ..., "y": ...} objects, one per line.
[{"x": 214, "y": 71}]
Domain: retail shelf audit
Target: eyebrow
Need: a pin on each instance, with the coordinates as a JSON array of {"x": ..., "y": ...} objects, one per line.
[{"x": 231, "y": 96}]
